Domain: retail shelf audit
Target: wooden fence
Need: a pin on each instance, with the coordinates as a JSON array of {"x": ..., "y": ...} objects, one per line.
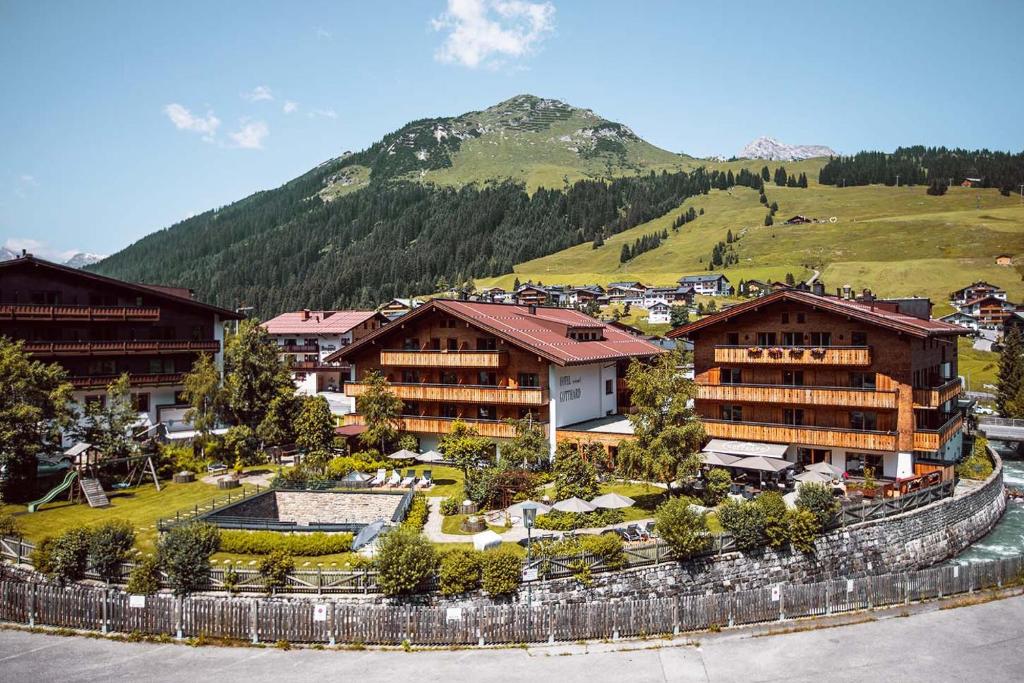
[{"x": 311, "y": 621}]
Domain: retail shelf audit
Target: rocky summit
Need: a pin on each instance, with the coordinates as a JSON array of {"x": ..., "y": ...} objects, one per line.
[{"x": 772, "y": 150}]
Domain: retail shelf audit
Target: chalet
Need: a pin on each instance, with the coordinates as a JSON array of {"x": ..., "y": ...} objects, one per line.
[
  {"x": 494, "y": 294},
  {"x": 710, "y": 284},
  {"x": 976, "y": 290},
  {"x": 807, "y": 378},
  {"x": 659, "y": 314},
  {"x": 972, "y": 182},
  {"x": 754, "y": 288},
  {"x": 99, "y": 328},
  {"x": 531, "y": 294},
  {"x": 679, "y": 295},
  {"x": 1004, "y": 260},
  {"x": 799, "y": 220},
  {"x": 399, "y": 307},
  {"x": 632, "y": 284},
  {"x": 581, "y": 296},
  {"x": 487, "y": 363},
  {"x": 306, "y": 338},
  {"x": 989, "y": 311},
  {"x": 623, "y": 294},
  {"x": 961, "y": 319}
]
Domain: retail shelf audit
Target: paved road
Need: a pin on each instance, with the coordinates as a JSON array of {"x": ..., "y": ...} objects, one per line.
[{"x": 977, "y": 643}]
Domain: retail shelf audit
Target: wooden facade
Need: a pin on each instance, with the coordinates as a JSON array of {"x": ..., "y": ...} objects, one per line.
[
  {"x": 443, "y": 358},
  {"x": 460, "y": 393},
  {"x": 795, "y": 355}
]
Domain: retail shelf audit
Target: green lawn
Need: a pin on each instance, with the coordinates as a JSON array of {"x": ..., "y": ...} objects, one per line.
[
  {"x": 979, "y": 368},
  {"x": 452, "y": 525},
  {"x": 448, "y": 481}
]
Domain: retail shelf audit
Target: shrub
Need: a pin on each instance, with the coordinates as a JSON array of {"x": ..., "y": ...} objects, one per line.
[
  {"x": 275, "y": 568},
  {"x": 65, "y": 557},
  {"x": 803, "y": 529},
  {"x": 299, "y": 544},
  {"x": 417, "y": 515},
  {"x": 818, "y": 499},
  {"x": 404, "y": 561},
  {"x": 450, "y": 506},
  {"x": 608, "y": 547},
  {"x": 180, "y": 458},
  {"x": 145, "y": 577},
  {"x": 241, "y": 445},
  {"x": 501, "y": 572},
  {"x": 568, "y": 521},
  {"x": 41, "y": 555},
  {"x": 718, "y": 482},
  {"x": 574, "y": 476},
  {"x": 977, "y": 465},
  {"x": 460, "y": 571},
  {"x": 745, "y": 521},
  {"x": 362, "y": 461},
  {"x": 773, "y": 510},
  {"x": 682, "y": 528},
  {"x": 109, "y": 545},
  {"x": 9, "y": 525},
  {"x": 184, "y": 553}
]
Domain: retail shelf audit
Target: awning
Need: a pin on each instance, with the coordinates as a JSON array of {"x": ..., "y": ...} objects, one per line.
[
  {"x": 747, "y": 448},
  {"x": 350, "y": 430},
  {"x": 762, "y": 464}
]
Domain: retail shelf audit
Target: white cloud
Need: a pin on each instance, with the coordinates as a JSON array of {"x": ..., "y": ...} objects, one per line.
[
  {"x": 28, "y": 179},
  {"x": 322, "y": 33},
  {"x": 290, "y": 107},
  {"x": 41, "y": 249},
  {"x": 258, "y": 94},
  {"x": 484, "y": 32},
  {"x": 183, "y": 119},
  {"x": 250, "y": 135},
  {"x": 323, "y": 113}
]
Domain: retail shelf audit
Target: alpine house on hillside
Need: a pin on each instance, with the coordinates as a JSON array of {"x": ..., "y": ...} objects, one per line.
[
  {"x": 486, "y": 363},
  {"x": 862, "y": 385}
]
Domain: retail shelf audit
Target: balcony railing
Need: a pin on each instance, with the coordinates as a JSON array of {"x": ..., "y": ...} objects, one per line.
[
  {"x": 443, "y": 425},
  {"x": 299, "y": 348},
  {"x": 795, "y": 355},
  {"x": 317, "y": 365},
  {"x": 460, "y": 393},
  {"x": 934, "y": 439},
  {"x": 39, "y": 312},
  {"x": 137, "y": 380},
  {"x": 117, "y": 348},
  {"x": 798, "y": 395},
  {"x": 811, "y": 436},
  {"x": 443, "y": 359},
  {"x": 938, "y": 396}
]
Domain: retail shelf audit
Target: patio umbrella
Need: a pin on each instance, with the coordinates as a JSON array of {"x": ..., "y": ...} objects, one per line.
[
  {"x": 574, "y": 504},
  {"x": 486, "y": 539},
  {"x": 517, "y": 509},
  {"x": 356, "y": 476},
  {"x": 612, "y": 501},
  {"x": 430, "y": 456},
  {"x": 813, "y": 476},
  {"x": 762, "y": 464},
  {"x": 368, "y": 534},
  {"x": 720, "y": 459},
  {"x": 826, "y": 468},
  {"x": 403, "y": 455}
]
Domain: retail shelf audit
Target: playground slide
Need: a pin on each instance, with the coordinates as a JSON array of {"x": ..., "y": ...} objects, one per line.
[{"x": 54, "y": 492}]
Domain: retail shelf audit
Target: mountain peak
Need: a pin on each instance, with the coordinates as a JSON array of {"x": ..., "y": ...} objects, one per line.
[{"x": 770, "y": 149}]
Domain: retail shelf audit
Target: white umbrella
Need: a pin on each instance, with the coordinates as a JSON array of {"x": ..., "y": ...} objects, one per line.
[
  {"x": 763, "y": 464},
  {"x": 403, "y": 455},
  {"x": 517, "y": 509},
  {"x": 574, "y": 504},
  {"x": 356, "y": 476},
  {"x": 721, "y": 459},
  {"x": 430, "y": 456},
  {"x": 486, "y": 539},
  {"x": 813, "y": 476},
  {"x": 613, "y": 501},
  {"x": 825, "y": 468}
]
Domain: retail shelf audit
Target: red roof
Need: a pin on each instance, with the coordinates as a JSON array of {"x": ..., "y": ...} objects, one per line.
[
  {"x": 987, "y": 297},
  {"x": 543, "y": 332},
  {"x": 319, "y": 322},
  {"x": 876, "y": 315}
]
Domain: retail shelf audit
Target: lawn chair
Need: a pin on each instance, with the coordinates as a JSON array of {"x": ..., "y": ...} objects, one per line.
[
  {"x": 427, "y": 481},
  {"x": 382, "y": 476},
  {"x": 632, "y": 533},
  {"x": 649, "y": 528},
  {"x": 395, "y": 479},
  {"x": 410, "y": 479}
]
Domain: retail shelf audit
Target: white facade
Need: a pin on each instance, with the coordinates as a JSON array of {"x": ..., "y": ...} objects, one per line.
[
  {"x": 579, "y": 393},
  {"x": 659, "y": 313}
]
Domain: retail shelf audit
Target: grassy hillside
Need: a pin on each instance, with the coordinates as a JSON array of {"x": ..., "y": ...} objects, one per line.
[{"x": 895, "y": 241}]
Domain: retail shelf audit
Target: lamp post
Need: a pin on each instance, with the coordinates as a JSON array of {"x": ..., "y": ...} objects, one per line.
[{"x": 529, "y": 515}]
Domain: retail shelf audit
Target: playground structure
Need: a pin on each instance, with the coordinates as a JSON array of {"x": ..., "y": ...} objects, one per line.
[{"x": 85, "y": 462}]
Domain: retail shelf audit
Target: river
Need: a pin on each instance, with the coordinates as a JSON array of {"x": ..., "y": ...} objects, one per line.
[{"x": 1007, "y": 537}]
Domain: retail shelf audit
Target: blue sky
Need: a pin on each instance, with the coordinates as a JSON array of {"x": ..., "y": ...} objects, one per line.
[{"x": 121, "y": 118}]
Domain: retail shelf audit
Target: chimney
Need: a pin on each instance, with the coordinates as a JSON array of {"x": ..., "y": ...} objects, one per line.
[
  {"x": 818, "y": 288},
  {"x": 847, "y": 292},
  {"x": 867, "y": 295},
  {"x": 304, "y": 315},
  {"x": 24, "y": 253},
  {"x": 532, "y": 308}
]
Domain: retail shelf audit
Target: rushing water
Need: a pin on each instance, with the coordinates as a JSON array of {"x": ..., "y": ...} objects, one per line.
[{"x": 1007, "y": 537}]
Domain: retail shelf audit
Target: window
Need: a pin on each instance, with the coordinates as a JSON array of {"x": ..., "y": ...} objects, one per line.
[
  {"x": 732, "y": 338},
  {"x": 857, "y": 462},
  {"x": 609, "y": 387},
  {"x": 862, "y": 380},
  {"x": 449, "y": 410},
  {"x": 731, "y": 376},
  {"x": 785, "y": 318},
  {"x": 449, "y": 378},
  {"x": 859, "y": 338},
  {"x": 486, "y": 344},
  {"x": 821, "y": 338},
  {"x": 453, "y": 344},
  {"x": 411, "y": 344},
  {"x": 104, "y": 367},
  {"x": 140, "y": 402},
  {"x": 410, "y": 376},
  {"x": 435, "y": 344},
  {"x": 809, "y": 456},
  {"x": 410, "y": 408},
  {"x": 766, "y": 339},
  {"x": 486, "y": 413},
  {"x": 158, "y": 366},
  {"x": 793, "y": 378},
  {"x": 792, "y": 338},
  {"x": 801, "y": 318},
  {"x": 486, "y": 378},
  {"x": 864, "y": 420},
  {"x": 793, "y": 416},
  {"x": 529, "y": 379},
  {"x": 732, "y": 413}
]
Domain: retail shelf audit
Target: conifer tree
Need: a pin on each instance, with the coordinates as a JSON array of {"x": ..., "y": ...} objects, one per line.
[
  {"x": 1011, "y": 373},
  {"x": 765, "y": 174},
  {"x": 625, "y": 255},
  {"x": 768, "y": 220}
]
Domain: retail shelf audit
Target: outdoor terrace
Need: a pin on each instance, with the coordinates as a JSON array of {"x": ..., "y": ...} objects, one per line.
[
  {"x": 934, "y": 439},
  {"x": 936, "y": 397},
  {"x": 812, "y": 436},
  {"x": 799, "y": 395}
]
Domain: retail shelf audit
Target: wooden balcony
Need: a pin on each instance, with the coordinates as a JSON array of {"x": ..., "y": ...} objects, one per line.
[
  {"x": 299, "y": 348},
  {"x": 137, "y": 380},
  {"x": 119, "y": 348},
  {"x": 72, "y": 313},
  {"x": 456, "y": 393},
  {"x": 937, "y": 396},
  {"x": 827, "y": 396},
  {"x": 442, "y": 425},
  {"x": 444, "y": 359},
  {"x": 810, "y": 436},
  {"x": 934, "y": 439},
  {"x": 317, "y": 365},
  {"x": 859, "y": 356}
]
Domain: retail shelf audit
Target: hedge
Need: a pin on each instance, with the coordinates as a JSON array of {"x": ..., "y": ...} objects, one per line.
[{"x": 302, "y": 544}]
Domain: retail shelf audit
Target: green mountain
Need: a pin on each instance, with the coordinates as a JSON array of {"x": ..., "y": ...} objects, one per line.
[{"x": 452, "y": 198}]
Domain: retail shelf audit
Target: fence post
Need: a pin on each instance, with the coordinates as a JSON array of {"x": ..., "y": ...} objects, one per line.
[
  {"x": 31, "y": 595},
  {"x": 551, "y": 623},
  {"x": 676, "y": 618},
  {"x": 254, "y": 621},
  {"x": 782, "y": 603},
  {"x": 179, "y": 609},
  {"x": 106, "y": 608},
  {"x": 333, "y": 633},
  {"x": 732, "y": 606},
  {"x": 479, "y": 629}
]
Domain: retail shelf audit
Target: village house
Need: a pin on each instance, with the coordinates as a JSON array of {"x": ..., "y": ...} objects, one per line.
[
  {"x": 976, "y": 290},
  {"x": 678, "y": 295},
  {"x": 710, "y": 284},
  {"x": 396, "y": 308},
  {"x": 494, "y": 294},
  {"x": 1004, "y": 260},
  {"x": 988, "y": 310},
  {"x": 659, "y": 313},
  {"x": 810, "y": 378},
  {"x": 961, "y": 319},
  {"x": 531, "y": 294},
  {"x": 98, "y": 328},
  {"x": 488, "y": 363},
  {"x": 581, "y": 296},
  {"x": 306, "y": 338},
  {"x": 755, "y": 288}
]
